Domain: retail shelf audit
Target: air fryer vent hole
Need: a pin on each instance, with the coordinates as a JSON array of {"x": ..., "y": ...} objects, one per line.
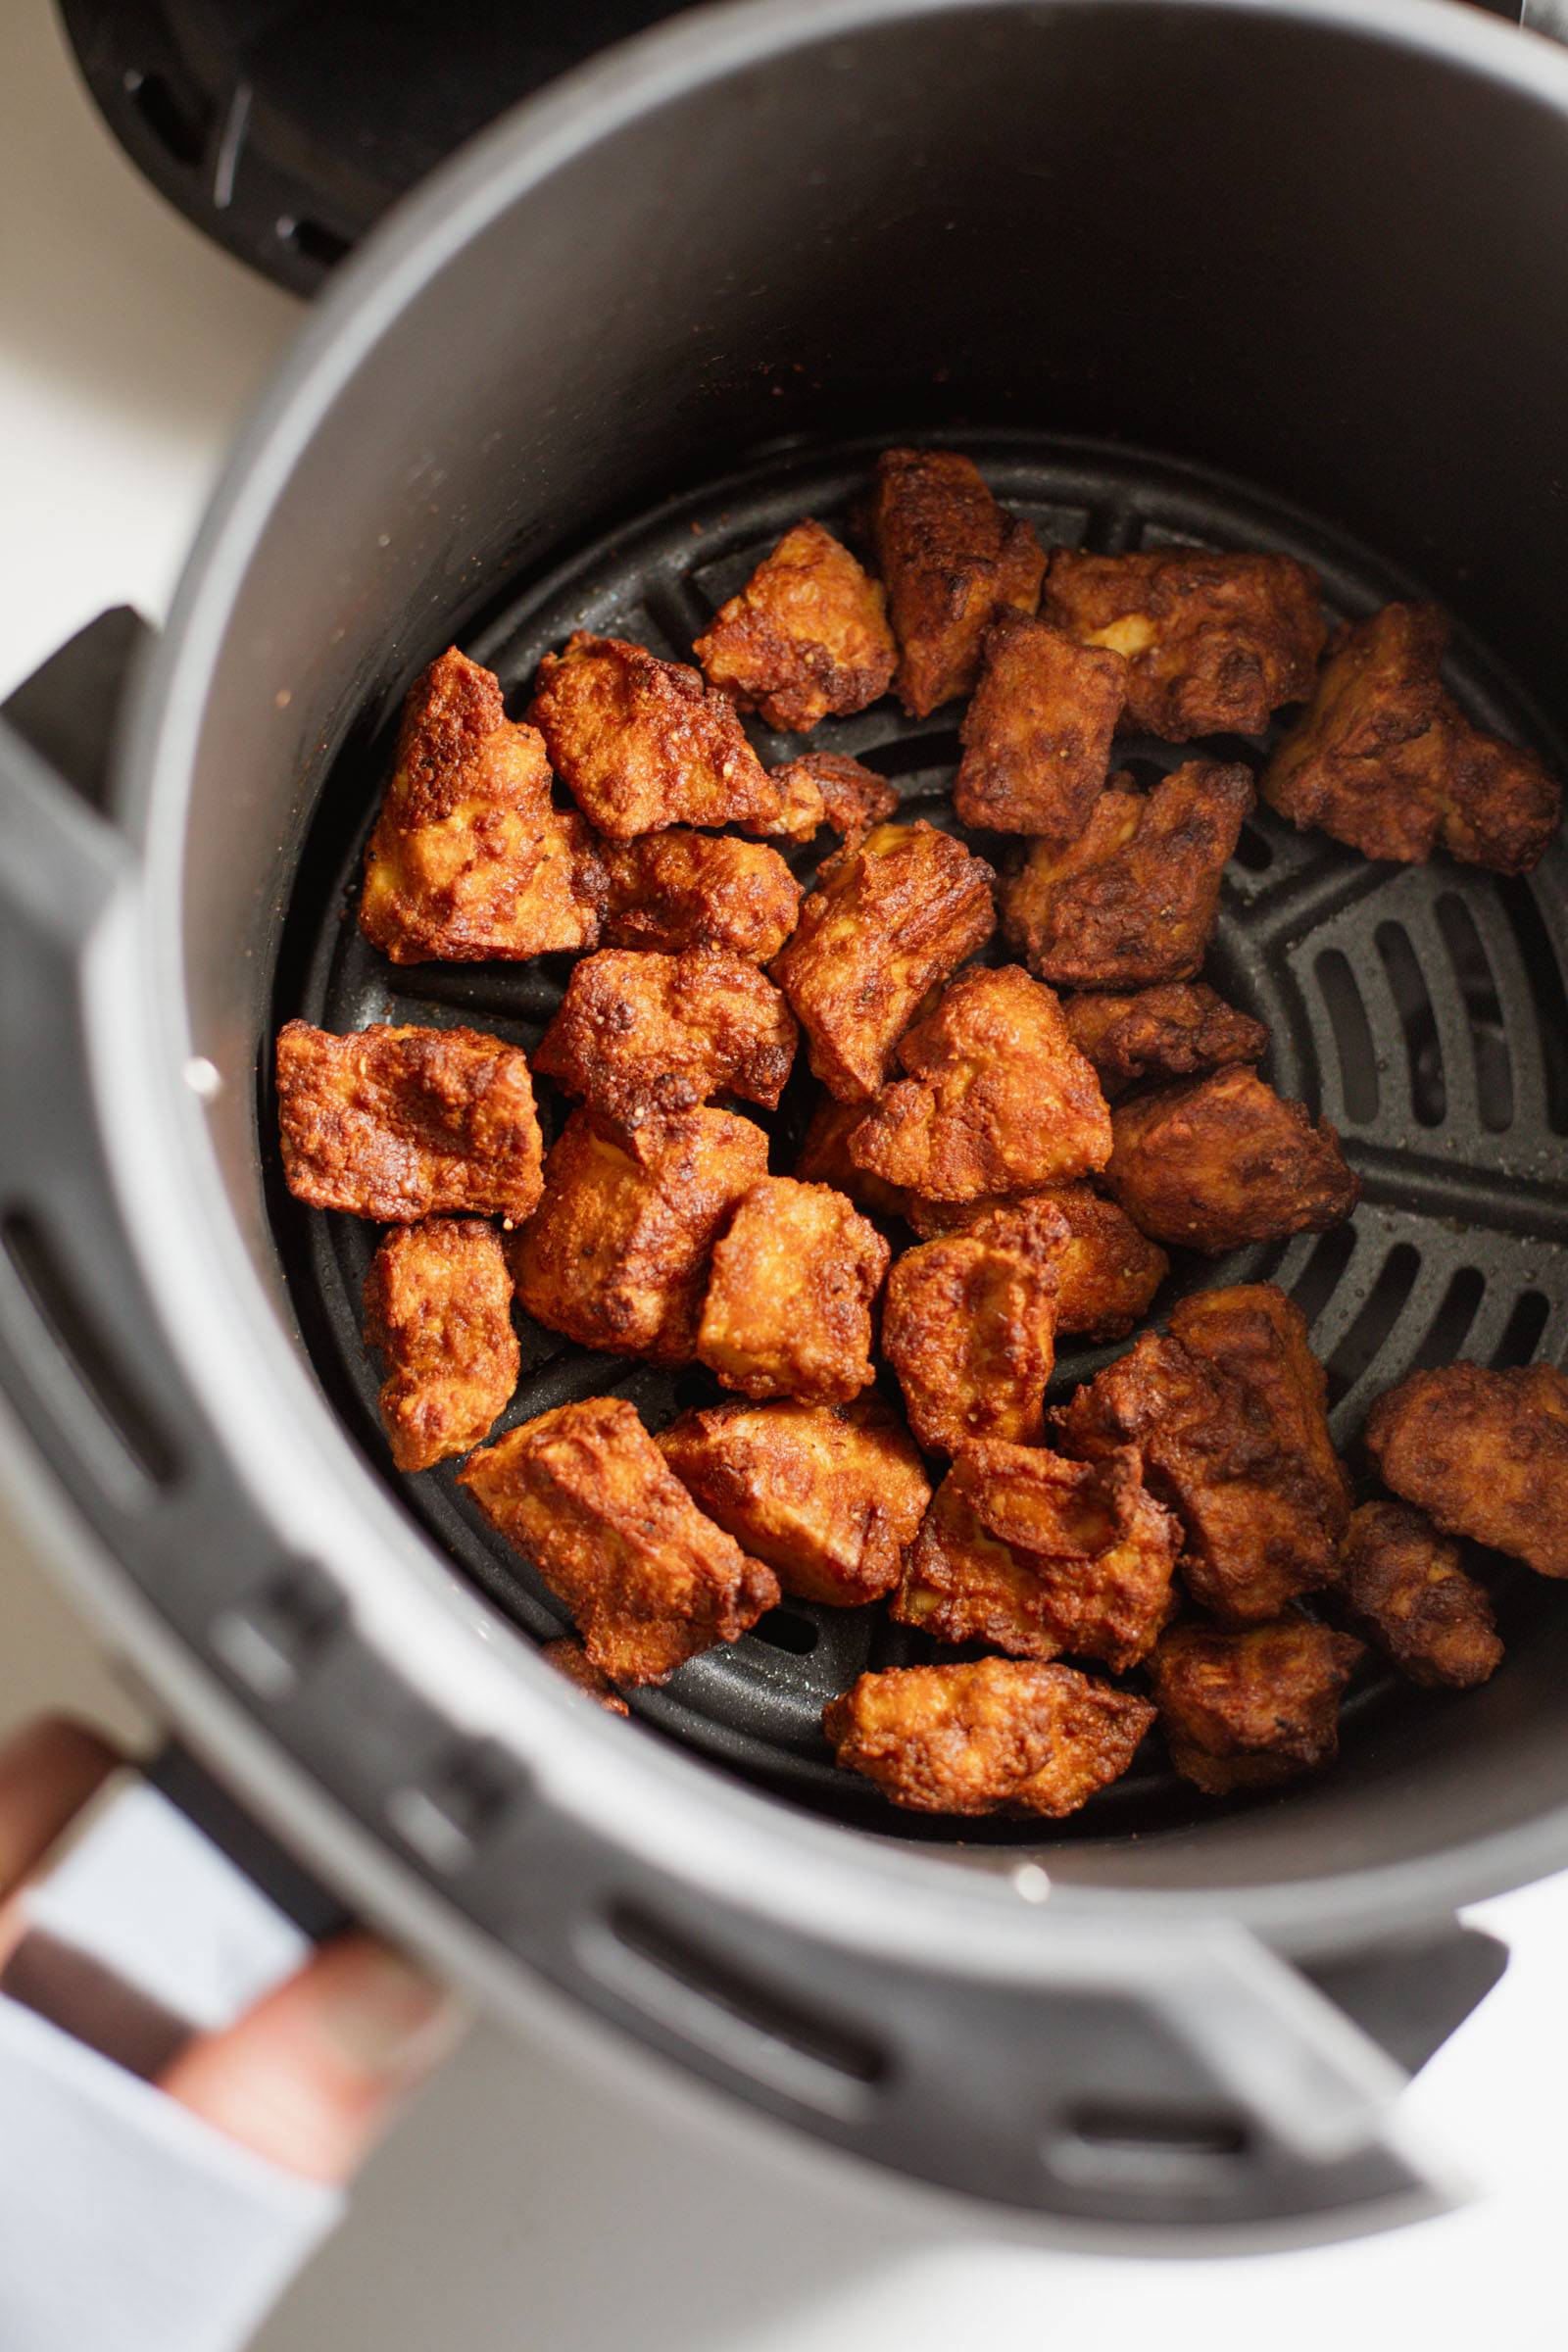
[
  {"x": 787, "y": 1629},
  {"x": 1102, "y": 2137},
  {"x": 1386, "y": 1302},
  {"x": 1452, "y": 1324},
  {"x": 1544, "y": 977},
  {"x": 1429, "y": 1093},
  {"x": 1352, "y": 1037},
  {"x": 1478, "y": 991},
  {"x": 1522, "y": 1334},
  {"x": 180, "y": 123}
]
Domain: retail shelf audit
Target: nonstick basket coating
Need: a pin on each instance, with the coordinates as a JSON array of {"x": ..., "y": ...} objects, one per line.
[{"x": 1424, "y": 1011}]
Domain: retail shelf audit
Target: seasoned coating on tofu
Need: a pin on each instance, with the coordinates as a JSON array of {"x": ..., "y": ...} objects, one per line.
[
  {"x": 969, "y": 1327},
  {"x": 892, "y": 916},
  {"x": 1133, "y": 900},
  {"x": 1223, "y": 1160},
  {"x": 1484, "y": 1454},
  {"x": 681, "y": 889},
  {"x": 854, "y": 797},
  {"x": 640, "y": 743},
  {"x": 584, "y": 1494},
  {"x": 1182, "y": 1030},
  {"x": 807, "y": 635},
  {"x": 438, "y": 1310},
  {"x": 469, "y": 858},
  {"x": 1406, "y": 1591},
  {"x": 1039, "y": 1554},
  {"x": 827, "y": 1494},
  {"x": 1248, "y": 1711},
  {"x": 798, "y": 812},
  {"x": 400, "y": 1124},
  {"x": 998, "y": 1096},
  {"x": 1384, "y": 759},
  {"x": 788, "y": 1311},
  {"x": 616, "y": 1257},
  {"x": 1002, "y": 1735},
  {"x": 1107, "y": 1272},
  {"x": 951, "y": 560},
  {"x": 644, "y": 1035},
  {"x": 1213, "y": 643},
  {"x": 1257, "y": 1337},
  {"x": 570, "y": 1659},
  {"x": 825, "y": 1159},
  {"x": 1037, "y": 734}
]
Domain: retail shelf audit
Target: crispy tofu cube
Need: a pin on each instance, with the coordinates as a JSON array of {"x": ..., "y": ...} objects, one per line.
[
  {"x": 827, "y": 1494},
  {"x": 1133, "y": 900},
  {"x": 644, "y": 1035},
  {"x": 1405, "y": 1587},
  {"x": 969, "y": 1327},
  {"x": 892, "y": 916},
  {"x": 1182, "y": 1030},
  {"x": 1002, "y": 1735},
  {"x": 1107, "y": 1272},
  {"x": 400, "y": 1124},
  {"x": 1248, "y": 1711},
  {"x": 951, "y": 558},
  {"x": 681, "y": 889},
  {"x": 807, "y": 635},
  {"x": 852, "y": 798},
  {"x": 438, "y": 1310},
  {"x": 1223, "y": 1160},
  {"x": 1384, "y": 759},
  {"x": 1484, "y": 1454},
  {"x": 1213, "y": 643},
  {"x": 1256, "y": 1337},
  {"x": 998, "y": 1096},
  {"x": 1037, "y": 735},
  {"x": 569, "y": 1658},
  {"x": 825, "y": 1159},
  {"x": 583, "y": 1494},
  {"x": 617, "y": 1255},
  {"x": 788, "y": 1311}
]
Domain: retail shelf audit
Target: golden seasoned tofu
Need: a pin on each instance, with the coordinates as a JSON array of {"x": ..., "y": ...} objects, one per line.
[
  {"x": 1133, "y": 900},
  {"x": 641, "y": 1036},
  {"x": 570, "y": 1659},
  {"x": 892, "y": 916},
  {"x": 853, "y": 798},
  {"x": 1484, "y": 1454},
  {"x": 584, "y": 1495},
  {"x": 438, "y": 1310},
  {"x": 1408, "y": 1591},
  {"x": 1082, "y": 1561},
  {"x": 951, "y": 558},
  {"x": 827, "y": 1494},
  {"x": 969, "y": 1327},
  {"x": 1248, "y": 1711},
  {"x": 1255, "y": 1336},
  {"x": 788, "y": 1311},
  {"x": 806, "y": 636},
  {"x": 1002, "y": 1735},
  {"x": 681, "y": 889},
  {"x": 1182, "y": 1030},
  {"x": 998, "y": 1098},
  {"x": 1384, "y": 759},
  {"x": 1037, "y": 735},
  {"x": 1106, "y": 1271},
  {"x": 1213, "y": 643},
  {"x": 617, "y": 1254},
  {"x": 825, "y": 1159},
  {"x": 470, "y": 858},
  {"x": 640, "y": 743},
  {"x": 401, "y": 1124},
  {"x": 1222, "y": 1161}
]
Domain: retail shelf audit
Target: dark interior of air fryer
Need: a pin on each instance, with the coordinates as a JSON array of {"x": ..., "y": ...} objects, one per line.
[{"x": 1422, "y": 1010}]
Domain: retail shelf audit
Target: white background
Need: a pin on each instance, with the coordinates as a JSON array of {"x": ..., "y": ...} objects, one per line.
[{"x": 523, "y": 2204}]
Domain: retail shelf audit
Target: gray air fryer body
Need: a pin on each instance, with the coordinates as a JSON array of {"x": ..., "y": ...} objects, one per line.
[{"x": 1321, "y": 249}]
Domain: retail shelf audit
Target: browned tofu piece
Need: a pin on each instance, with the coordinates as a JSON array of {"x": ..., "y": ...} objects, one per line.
[
  {"x": 617, "y": 1255},
  {"x": 1182, "y": 1030},
  {"x": 401, "y": 1124},
  {"x": 798, "y": 812},
  {"x": 1037, "y": 735},
  {"x": 1213, "y": 643},
  {"x": 1484, "y": 1454},
  {"x": 827, "y": 1494},
  {"x": 1004, "y": 1735},
  {"x": 1106, "y": 1271},
  {"x": 584, "y": 1494},
  {"x": 788, "y": 1311},
  {"x": 570, "y": 1659},
  {"x": 438, "y": 1310},
  {"x": 853, "y": 798},
  {"x": 1386, "y": 761},
  {"x": 470, "y": 858},
  {"x": 825, "y": 1159},
  {"x": 1133, "y": 900},
  {"x": 1251, "y": 1710},
  {"x": 644, "y": 1035},
  {"x": 951, "y": 558},
  {"x": 805, "y": 636},
  {"x": 682, "y": 889},
  {"x": 998, "y": 1096},
  {"x": 1406, "y": 1590},
  {"x": 1084, "y": 1565},
  {"x": 892, "y": 916},
  {"x": 640, "y": 743},
  {"x": 969, "y": 1327},
  {"x": 1225, "y": 1160},
  {"x": 1257, "y": 1337}
]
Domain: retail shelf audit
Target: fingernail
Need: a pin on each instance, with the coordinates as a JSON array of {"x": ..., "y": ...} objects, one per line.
[{"x": 382, "y": 2015}]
